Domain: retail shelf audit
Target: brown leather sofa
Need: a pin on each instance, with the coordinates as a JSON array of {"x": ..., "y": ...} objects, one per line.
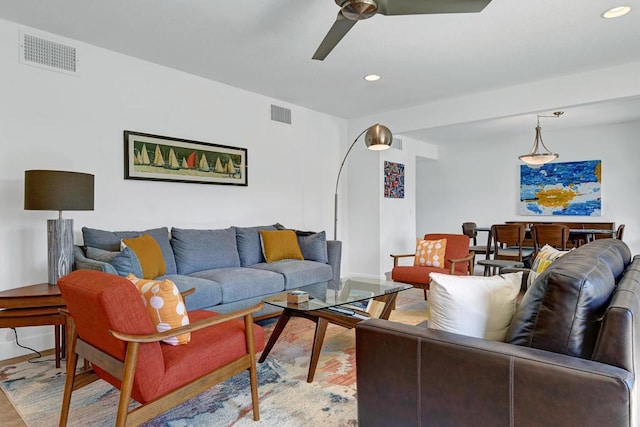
[{"x": 569, "y": 359}]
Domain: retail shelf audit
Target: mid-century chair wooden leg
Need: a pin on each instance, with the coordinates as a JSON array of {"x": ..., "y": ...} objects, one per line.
[
  {"x": 253, "y": 372},
  {"x": 72, "y": 361},
  {"x": 130, "y": 362}
]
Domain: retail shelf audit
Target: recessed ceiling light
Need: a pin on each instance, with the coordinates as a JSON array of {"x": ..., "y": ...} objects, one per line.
[
  {"x": 372, "y": 77},
  {"x": 616, "y": 12}
]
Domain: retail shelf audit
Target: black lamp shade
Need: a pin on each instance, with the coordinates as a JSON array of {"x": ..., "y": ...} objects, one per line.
[{"x": 48, "y": 190}]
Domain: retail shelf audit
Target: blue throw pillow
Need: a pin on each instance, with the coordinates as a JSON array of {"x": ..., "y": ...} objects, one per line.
[
  {"x": 313, "y": 246},
  {"x": 126, "y": 262},
  {"x": 249, "y": 245}
]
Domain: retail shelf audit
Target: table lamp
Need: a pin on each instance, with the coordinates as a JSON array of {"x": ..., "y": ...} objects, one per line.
[{"x": 49, "y": 190}]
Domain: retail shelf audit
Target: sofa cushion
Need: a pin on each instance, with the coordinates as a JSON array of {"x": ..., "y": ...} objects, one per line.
[
  {"x": 238, "y": 283},
  {"x": 298, "y": 273},
  {"x": 313, "y": 246},
  {"x": 208, "y": 293},
  {"x": 546, "y": 255},
  {"x": 197, "y": 250},
  {"x": 110, "y": 241},
  {"x": 149, "y": 255},
  {"x": 279, "y": 244},
  {"x": 475, "y": 306},
  {"x": 248, "y": 241},
  {"x": 561, "y": 311}
]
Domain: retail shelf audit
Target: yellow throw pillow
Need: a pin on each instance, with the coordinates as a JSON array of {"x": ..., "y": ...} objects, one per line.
[
  {"x": 546, "y": 255},
  {"x": 149, "y": 254},
  {"x": 430, "y": 253},
  {"x": 165, "y": 306},
  {"x": 280, "y": 244}
]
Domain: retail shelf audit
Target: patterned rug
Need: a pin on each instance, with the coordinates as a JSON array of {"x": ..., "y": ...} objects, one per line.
[{"x": 286, "y": 399}]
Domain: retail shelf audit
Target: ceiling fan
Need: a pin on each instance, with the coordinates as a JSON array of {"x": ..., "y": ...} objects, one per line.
[{"x": 352, "y": 11}]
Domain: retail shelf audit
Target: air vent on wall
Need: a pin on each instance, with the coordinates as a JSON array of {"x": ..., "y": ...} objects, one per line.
[
  {"x": 280, "y": 114},
  {"x": 397, "y": 143},
  {"x": 48, "y": 54}
]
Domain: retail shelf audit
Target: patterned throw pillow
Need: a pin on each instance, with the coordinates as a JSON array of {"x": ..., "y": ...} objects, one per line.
[
  {"x": 164, "y": 305},
  {"x": 430, "y": 253},
  {"x": 149, "y": 254},
  {"x": 545, "y": 257}
]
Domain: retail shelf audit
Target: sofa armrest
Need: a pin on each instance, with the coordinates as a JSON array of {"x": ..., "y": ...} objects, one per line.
[
  {"x": 334, "y": 253},
  {"x": 81, "y": 262},
  {"x": 411, "y": 375}
]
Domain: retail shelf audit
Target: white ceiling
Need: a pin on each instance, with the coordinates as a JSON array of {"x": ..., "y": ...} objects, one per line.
[{"x": 266, "y": 47}]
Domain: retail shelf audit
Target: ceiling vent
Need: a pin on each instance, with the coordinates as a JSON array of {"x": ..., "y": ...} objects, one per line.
[
  {"x": 280, "y": 114},
  {"x": 48, "y": 54}
]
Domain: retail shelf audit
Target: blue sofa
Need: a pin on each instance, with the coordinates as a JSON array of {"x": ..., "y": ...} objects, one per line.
[{"x": 225, "y": 266}]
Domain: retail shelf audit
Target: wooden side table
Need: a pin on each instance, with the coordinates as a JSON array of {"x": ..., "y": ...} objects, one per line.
[{"x": 35, "y": 305}]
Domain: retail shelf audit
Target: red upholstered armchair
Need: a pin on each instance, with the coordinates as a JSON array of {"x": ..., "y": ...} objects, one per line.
[
  {"x": 109, "y": 326},
  {"x": 458, "y": 260}
]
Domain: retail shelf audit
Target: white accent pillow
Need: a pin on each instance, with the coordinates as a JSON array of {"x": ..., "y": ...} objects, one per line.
[{"x": 475, "y": 306}]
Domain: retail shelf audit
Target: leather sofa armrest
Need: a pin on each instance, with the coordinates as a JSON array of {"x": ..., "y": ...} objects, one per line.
[{"x": 411, "y": 375}]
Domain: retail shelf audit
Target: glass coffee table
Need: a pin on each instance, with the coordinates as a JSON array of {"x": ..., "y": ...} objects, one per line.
[{"x": 351, "y": 302}]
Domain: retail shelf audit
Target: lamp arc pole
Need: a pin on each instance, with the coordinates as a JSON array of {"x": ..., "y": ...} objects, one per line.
[{"x": 382, "y": 140}]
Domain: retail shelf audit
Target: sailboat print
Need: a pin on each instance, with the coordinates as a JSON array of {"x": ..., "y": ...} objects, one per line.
[
  {"x": 231, "y": 170},
  {"x": 204, "y": 165},
  {"x": 144, "y": 156},
  {"x": 158, "y": 160},
  {"x": 184, "y": 165},
  {"x": 191, "y": 160},
  {"x": 173, "y": 160},
  {"x": 218, "y": 167}
]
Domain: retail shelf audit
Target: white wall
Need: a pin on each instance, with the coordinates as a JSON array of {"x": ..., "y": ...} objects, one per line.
[
  {"x": 479, "y": 181},
  {"x": 50, "y": 120}
]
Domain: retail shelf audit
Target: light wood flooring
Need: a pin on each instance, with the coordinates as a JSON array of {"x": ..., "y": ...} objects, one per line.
[{"x": 10, "y": 417}]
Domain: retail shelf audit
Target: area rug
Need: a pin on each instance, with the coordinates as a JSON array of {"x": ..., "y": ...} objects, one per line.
[{"x": 286, "y": 399}]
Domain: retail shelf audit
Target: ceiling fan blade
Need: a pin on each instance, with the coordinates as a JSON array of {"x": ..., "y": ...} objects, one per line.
[
  {"x": 333, "y": 37},
  {"x": 418, "y": 7}
]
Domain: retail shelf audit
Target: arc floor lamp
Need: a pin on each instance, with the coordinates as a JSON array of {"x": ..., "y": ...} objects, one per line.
[
  {"x": 377, "y": 138},
  {"x": 50, "y": 190}
]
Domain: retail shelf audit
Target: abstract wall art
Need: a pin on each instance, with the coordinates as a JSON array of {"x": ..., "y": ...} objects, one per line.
[
  {"x": 393, "y": 180},
  {"x": 565, "y": 188}
]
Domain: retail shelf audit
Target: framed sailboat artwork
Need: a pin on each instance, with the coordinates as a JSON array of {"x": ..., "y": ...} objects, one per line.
[{"x": 162, "y": 158}]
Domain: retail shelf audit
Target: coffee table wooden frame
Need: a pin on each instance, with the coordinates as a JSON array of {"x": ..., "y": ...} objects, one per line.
[{"x": 322, "y": 318}]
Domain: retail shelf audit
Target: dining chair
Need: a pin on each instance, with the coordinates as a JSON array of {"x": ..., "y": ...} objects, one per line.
[
  {"x": 471, "y": 229},
  {"x": 109, "y": 326},
  {"x": 507, "y": 242},
  {"x": 555, "y": 235},
  {"x": 620, "y": 232}
]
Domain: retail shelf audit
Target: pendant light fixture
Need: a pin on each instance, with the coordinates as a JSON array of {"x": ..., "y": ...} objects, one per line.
[{"x": 536, "y": 156}]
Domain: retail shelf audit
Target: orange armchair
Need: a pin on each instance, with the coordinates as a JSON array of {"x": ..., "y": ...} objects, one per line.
[
  {"x": 458, "y": 261},
  {"x": 109, "y": 326}
]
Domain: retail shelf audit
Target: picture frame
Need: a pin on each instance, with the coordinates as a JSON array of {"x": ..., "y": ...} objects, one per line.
[{"x": 162, "y": 158}]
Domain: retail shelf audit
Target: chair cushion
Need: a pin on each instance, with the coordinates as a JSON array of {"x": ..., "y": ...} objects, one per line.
[
  {"x": 280, "y": 244},
  {"x": 415, "y": 274},
  {"x": 165, "y": 306},
  {"x": 430, "y": 253},
  {"x": 475, "y": 306},
  {"x": 149, "y": 255}
]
